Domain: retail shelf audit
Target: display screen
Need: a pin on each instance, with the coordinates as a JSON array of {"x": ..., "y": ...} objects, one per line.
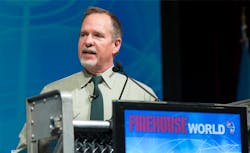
[
  {"x": 169, "y": 131},
  {"x": 143, "y": 127}
]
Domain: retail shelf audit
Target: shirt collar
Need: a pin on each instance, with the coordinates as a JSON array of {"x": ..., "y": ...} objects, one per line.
[
  {"x": 107, "y": 75},
  {"x": 86, "y": 78}
]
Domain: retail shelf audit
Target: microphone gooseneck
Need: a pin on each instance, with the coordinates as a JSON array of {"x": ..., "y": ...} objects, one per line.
[{"x": 118, "y": 68}]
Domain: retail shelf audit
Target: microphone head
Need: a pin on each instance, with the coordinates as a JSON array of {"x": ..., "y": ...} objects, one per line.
[
  {"x": 93, "y": 96},
  {"x": 115, "y": 69}
]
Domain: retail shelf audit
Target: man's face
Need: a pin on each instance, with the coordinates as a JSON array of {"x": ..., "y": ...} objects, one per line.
[{"x": 96, "y": 46}]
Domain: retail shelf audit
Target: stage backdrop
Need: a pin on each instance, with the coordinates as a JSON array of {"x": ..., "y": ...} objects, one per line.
[{"x": 38, "y": 44}]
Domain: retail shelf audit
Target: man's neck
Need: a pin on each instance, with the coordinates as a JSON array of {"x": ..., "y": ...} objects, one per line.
[{"x": 95, "y": 71}]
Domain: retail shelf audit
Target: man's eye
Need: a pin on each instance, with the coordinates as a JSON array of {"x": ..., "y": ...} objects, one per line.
[
  {"x": 99, "y": 35},
  {"x": 83, "y": 34}
]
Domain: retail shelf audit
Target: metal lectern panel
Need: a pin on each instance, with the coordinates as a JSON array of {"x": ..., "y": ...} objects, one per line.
[{"x": 49, "y": 119}]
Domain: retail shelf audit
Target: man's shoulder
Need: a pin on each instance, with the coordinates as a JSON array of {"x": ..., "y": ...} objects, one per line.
[
  {"x": 68, "y": 83},
  {"x": 139, "y": 90},
  {"x": 139, "y": 84},
  {"x": 132, "y": 82}
]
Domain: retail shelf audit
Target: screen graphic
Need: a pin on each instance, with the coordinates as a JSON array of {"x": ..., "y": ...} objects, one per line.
[{"x": 185, "y": 132}]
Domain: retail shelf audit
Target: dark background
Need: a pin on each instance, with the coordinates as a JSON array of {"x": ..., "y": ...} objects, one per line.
[{"x": 201, "y": 50}]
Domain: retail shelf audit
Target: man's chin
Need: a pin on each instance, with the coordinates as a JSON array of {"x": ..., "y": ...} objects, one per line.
[{"x": 88, "y": 64}]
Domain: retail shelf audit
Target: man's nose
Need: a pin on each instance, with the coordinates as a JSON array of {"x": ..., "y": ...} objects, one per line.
[{"x": 89, "y": 41}]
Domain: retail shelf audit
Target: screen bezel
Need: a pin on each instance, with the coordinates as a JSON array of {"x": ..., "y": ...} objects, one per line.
[{"x": 119, "y": 108}]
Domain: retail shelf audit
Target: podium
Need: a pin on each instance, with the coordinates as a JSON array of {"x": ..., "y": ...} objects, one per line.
[{"x": 51, "y": 128}]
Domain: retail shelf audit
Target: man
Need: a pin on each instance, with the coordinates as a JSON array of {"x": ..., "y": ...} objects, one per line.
[{"x": 99, "y": 41}]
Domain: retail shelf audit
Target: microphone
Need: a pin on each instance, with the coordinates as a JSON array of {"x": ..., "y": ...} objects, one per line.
[
  {"x": 93, "y": 96},
  {"x": 90, "y": 96},
  {"x": 118, "y": 68}
]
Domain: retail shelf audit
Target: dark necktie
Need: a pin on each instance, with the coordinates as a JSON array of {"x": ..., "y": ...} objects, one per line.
[{"x": 97, "y": 102}]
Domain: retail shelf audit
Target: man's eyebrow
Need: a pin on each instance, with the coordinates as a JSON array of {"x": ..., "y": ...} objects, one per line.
[{"x": 83, "y": 31}]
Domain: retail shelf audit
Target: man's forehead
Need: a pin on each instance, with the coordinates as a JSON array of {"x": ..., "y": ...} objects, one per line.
[{"x": 98, "y": 21}]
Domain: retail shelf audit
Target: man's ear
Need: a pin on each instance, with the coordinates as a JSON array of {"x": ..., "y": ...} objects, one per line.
[{"x": 117, "y": 45}]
